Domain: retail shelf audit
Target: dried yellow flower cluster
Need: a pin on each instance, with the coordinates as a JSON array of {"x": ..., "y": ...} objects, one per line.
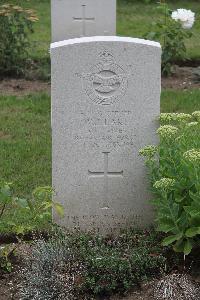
[{"x": 7, "y": 10}]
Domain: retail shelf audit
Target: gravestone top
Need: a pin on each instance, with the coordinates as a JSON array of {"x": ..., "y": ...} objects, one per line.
[
  {"x": 104, "y": 39},
  {"x": 79, "y": 18},
  {"x": 105, "y": 104}
]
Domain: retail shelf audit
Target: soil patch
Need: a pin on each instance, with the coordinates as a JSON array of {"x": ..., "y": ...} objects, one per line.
[
  {"x": 183, "y": 78},
  {"x": 21, "y": 87},
  {"x": 4, "y": 136},
  {"x": 144, "y": 293},
  {"x": 9, "y": 290}
]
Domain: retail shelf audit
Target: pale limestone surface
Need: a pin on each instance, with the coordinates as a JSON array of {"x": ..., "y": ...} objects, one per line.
[
  {"x": 105, "y": 102},
  {"x": 79, "y": 18}
]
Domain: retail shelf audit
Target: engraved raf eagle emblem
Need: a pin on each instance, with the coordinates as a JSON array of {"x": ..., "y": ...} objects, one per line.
[{"x": 106, "y": 81}]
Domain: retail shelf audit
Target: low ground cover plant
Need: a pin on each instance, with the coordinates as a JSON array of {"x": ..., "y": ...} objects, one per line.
[
  {"x": 174, "y": 169},
  {"x": 16, "y": 25},
  {"x": 49, "y": 271},
  {"x": 74, "y": 266}
]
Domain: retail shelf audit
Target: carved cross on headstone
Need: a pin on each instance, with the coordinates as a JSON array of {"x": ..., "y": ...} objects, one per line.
[
  {"x": 105, "y": 175},
  {"x": 83, "y": 20}
]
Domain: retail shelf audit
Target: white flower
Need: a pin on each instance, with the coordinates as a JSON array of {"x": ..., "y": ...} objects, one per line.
[{"x": 185, "y": 16}]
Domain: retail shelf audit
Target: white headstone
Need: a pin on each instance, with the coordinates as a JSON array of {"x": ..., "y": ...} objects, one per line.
[
  {"x": 105, "y": 101},
  {"x": 79, "y": 18}
]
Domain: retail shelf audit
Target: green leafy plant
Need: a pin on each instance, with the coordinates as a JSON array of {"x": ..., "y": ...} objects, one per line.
[
  {"x": 172, "y": 35},
  {"x": 16, "y": 26},
  {"x": 117, "y": 264},
  {"x": 37, "y": 208},
  {"x": 174, "y": 167},
  {"x": 108, "y": 270},
  {"x": 6, "y": 254}
]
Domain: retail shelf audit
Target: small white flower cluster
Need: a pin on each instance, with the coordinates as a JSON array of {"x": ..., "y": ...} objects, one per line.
[
  {"x": 182, "y": 117},
  {"x": 185, "y": 16},
  {"x": 192, "y": 124},
  {"x": 192, "y": 155},
  {"x": 165, "y": 184},
  {"x": 178, "y": 117},
  {"x": 148, "y": 151},
  {"x": 167, "y": 131},
  {"x": 196, "y": 114}
]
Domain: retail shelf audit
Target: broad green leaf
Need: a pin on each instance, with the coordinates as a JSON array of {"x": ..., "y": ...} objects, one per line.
[
  {"x": 22, "y": 202},
  {"x": 6, "y": 190},
  {"x": 191, "y": 232},
  {"x": 179, "y": 199},
  {"x": 187, "y": 247},
  {"x": 195, "y": 197},
  {"x": 195, "y": 221},
  {"x": 179, "y": 246},
  {"x": 48, "y": 205},
  {"x": 172, "y": 238},
  {"x": 43, "y": 193},
  {"x": 165, "y": 211},
  {"x": 165, "y": 225},
  {"x": 59, "y": 209},
  {"x": 43, "y": 215},
  {"x": 193, "y": 212},
  {"x": 165, "y": 228},
  {"x": 5, "y": 194},
  {"x": 183, "y": 221}
]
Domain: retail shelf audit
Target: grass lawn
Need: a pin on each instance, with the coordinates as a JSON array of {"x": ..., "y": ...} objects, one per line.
[
  {"x": 134, "y": 19},
  {"x": 25, "y": 142},
  {"x": 25, "y": 135}
]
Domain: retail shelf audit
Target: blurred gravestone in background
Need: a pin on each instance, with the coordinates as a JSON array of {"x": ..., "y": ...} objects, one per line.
[{"x": 78, "y": 18}]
